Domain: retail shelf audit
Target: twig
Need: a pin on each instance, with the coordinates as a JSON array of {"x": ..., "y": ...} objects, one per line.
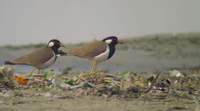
[{"x": 153, "y": 83}]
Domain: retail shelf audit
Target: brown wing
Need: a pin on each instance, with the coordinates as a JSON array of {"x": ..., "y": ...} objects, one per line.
[
  {"x": 88, "y": 50},
  {"x": 35, "y": 58}
]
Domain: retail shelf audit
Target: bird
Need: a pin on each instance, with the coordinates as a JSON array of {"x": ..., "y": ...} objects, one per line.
[
  {"x": 97, "y": 51},
  {"x": 40, "y": 58}
]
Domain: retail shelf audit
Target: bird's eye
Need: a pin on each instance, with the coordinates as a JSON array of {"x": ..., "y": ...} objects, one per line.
[
  {"x": 109, "y": 41},
  {"x": 51, "y": 44}
]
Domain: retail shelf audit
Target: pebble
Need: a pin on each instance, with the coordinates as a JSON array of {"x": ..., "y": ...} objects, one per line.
[{"x": 47, "y": 94}]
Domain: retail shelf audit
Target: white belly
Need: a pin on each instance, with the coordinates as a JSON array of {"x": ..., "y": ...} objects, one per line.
[
  {"x": 49, "y": 62},
  {"x": 103, "y": 56}
]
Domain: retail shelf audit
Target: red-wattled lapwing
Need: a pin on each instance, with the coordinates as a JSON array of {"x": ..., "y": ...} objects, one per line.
[
  {"x": 97, "y": 51},
  {"x": 40, "y": 58}
]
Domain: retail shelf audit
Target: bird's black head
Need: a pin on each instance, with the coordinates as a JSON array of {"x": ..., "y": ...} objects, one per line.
[
  {"x": 55, "y": 44},
  {"x": 112, "y": 40}
]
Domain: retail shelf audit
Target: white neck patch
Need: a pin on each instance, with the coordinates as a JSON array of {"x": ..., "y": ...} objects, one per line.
[
  {"x": 103, "y": 56},
  {"x": 108, "y": 41},
  {"x": 51, "y": 44}
]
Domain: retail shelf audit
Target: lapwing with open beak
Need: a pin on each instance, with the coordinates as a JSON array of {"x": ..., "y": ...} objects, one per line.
[
  {"x": 40, "y": 58},
  {"x": 97, "y": 51}
]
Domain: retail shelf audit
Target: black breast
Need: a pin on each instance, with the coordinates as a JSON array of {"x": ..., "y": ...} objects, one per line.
[{"x": 112, "y": 51}]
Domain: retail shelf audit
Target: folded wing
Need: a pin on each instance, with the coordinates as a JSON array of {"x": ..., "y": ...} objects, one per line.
[
  {"x": 35, "y": 58},
  {"x": 88, "y": 51}
]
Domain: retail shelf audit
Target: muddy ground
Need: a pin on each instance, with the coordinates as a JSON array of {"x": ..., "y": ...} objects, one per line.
[{"x": 94, "y": 104}]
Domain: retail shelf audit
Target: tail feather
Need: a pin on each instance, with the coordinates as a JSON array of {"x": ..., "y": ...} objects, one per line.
[
  {"x": 62, "y": 53},
  {"x": 9, "y": 63}
]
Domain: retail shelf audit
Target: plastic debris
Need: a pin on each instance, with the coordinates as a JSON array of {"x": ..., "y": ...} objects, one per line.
[
  {"x": 127, "y": 84},
  {"x": 21, "y": 80},
  {"x": 175, "y": 73},
  {"x": 6, "y": 78}
]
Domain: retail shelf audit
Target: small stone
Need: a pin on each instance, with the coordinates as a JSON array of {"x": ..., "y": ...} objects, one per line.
[{"x": 47, "y": 94}]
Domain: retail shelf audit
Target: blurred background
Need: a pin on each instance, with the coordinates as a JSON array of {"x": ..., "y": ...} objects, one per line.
[{"x": 159, "y": 34}]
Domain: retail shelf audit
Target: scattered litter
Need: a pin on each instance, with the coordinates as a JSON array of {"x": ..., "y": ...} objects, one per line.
[
  {"x": 127, "y": 84},
  {"x": 6, "y": 78},
  {"x": 175, "y": 73},
  {"x": 21, "y": 80}
]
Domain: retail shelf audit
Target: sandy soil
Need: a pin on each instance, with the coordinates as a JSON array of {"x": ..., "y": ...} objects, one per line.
[{"x": 94, "y": 104}]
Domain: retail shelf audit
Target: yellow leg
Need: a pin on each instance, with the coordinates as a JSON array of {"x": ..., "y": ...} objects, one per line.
[{"x": 93, "y": 67}]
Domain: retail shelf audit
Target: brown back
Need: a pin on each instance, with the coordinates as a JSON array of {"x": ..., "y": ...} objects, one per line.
[
  {"x": 88, "y": 50},
  {"x": 35, "y": 58}
]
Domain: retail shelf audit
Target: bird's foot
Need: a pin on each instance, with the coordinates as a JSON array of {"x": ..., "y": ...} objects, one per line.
[{"x": 94, "y": 74}]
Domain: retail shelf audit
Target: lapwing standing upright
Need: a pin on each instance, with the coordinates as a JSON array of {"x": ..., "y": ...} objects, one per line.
[
  {"x": 97, "y": 51},
  {"x": 40, "y": 58}
]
